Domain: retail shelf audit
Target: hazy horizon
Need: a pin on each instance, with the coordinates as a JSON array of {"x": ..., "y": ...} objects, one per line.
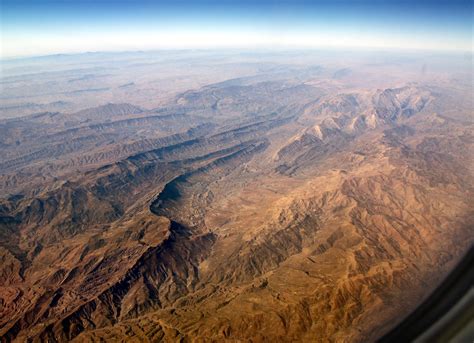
[
  {"x": 399, "y": 51},
  {"x": 43, "y": 27}
]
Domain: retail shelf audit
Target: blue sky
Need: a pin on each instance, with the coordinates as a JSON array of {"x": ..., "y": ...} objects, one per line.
[{"x": 36, "y": 27}]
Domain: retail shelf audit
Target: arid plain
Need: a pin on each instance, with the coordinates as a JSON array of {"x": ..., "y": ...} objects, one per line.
[{"x": 233, "y": 196}]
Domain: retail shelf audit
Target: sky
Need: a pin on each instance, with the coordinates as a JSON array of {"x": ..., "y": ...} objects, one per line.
[{"x": 41, "y": 27}]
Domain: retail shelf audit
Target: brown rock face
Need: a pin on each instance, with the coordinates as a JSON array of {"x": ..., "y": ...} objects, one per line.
[{"x": 264, "y": 209}]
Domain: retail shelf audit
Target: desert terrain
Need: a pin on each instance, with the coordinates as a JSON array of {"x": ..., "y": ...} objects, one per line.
[{"x": 240, "y": 196}]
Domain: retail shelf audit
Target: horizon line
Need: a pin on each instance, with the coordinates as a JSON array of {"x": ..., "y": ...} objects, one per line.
[{"x": 243, "y": 48}]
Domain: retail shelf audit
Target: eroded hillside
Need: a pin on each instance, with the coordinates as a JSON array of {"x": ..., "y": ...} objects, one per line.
[{"x": 263, "y": 208}]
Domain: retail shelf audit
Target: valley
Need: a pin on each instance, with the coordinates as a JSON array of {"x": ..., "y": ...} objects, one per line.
[{"x": 272, "y": 198}]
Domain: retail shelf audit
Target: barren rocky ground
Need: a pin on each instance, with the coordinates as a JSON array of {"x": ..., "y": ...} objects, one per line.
[{"x": 270, "y": 197}]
